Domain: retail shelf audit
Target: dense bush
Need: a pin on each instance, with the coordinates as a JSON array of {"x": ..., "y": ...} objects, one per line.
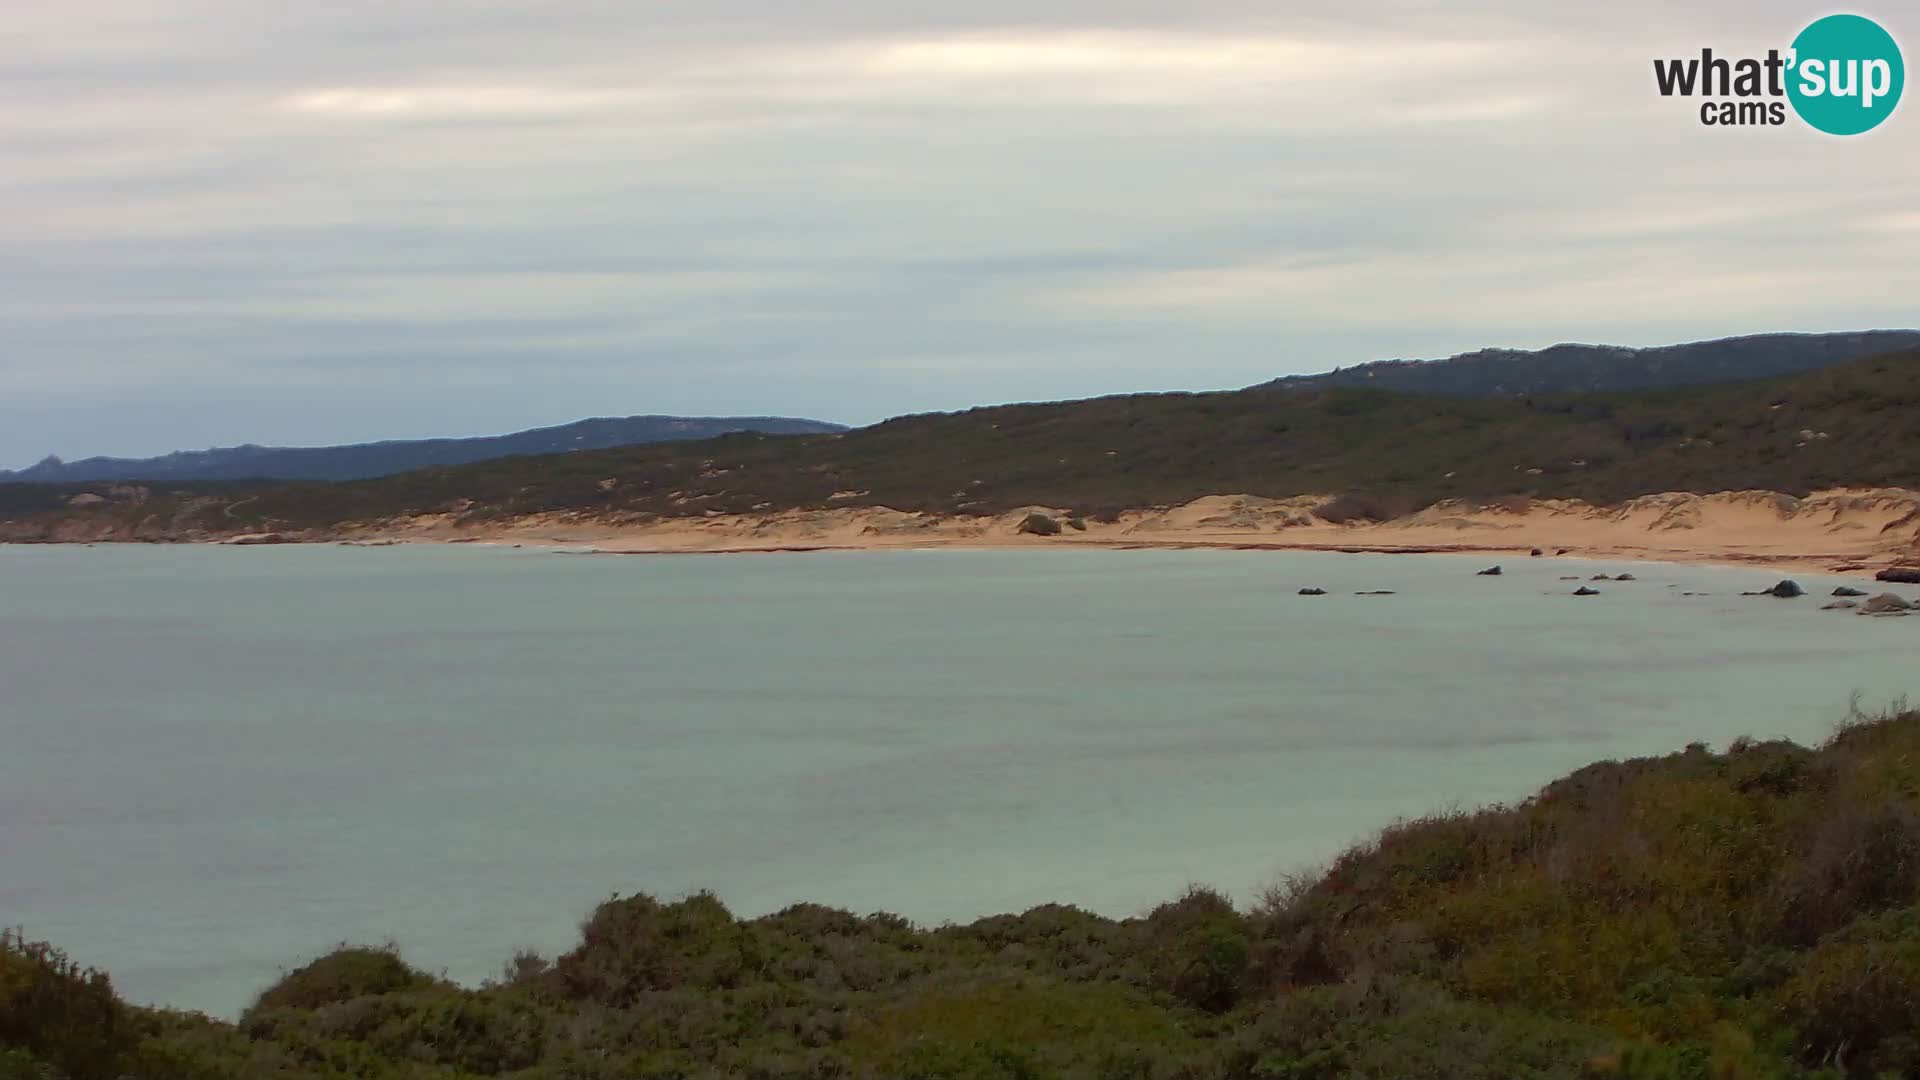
[
  {"x": 57, "y": 1017},
  {"x": 347, "y": 973}
]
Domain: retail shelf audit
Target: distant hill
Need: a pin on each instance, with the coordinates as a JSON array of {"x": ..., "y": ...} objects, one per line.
[
  {"x": 1854, "y": 424},
  {"x": 1564, "y": 369},
  {"x": 363, "y": 460}
]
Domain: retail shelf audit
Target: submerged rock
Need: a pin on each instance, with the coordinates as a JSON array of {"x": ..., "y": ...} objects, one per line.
[
  {"x": 1785, "y": 590},
  {"x": 1311, "y": 591},
  {"x": 1840, "y": 605},
  {"x": 1848, "y": 590},
  {"x": 1886, "y": 604},
  {"x": 1375, "y": 592},
  {"x": 1624, "y": 577},
  {"x": 1491, "y": 571},
  {"x": 1585, "y": 591}
]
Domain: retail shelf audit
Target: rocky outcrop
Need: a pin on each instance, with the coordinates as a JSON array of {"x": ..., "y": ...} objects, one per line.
[{"x": 1903, "y": 575}]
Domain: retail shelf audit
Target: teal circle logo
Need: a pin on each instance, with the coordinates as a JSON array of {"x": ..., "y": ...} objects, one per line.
[{"x": 1845, "y": 75}]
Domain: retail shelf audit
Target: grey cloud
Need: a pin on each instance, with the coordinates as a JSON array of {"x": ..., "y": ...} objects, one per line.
[{"x": 311, "y": 223}]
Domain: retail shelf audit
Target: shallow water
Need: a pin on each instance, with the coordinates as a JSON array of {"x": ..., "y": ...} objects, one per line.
[{"x": 219, "y": 761}]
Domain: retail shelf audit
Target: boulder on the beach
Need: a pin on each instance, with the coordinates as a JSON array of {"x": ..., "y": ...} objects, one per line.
[
  {"x": 1902, "y": 575},
  {"x": 1038, "y": 525},
  {"x": 1886, "y": 604},
  {"x": 1848, "y": 590},
  {"x": 250, "y": 539},
  {"x": 1840, "y": 605},
  {"x": 1559, "y": 551},
  {"x": 1585, "y": 591},
  {"x": 1491, "y": 571},
  {"x": 1311, "y": 591},
  {"x": 1535, "y": 553}
]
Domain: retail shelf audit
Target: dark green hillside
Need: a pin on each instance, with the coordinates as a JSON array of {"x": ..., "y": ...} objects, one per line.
[
  {"x": 1855, "y": 424},
  {"x": 1736, "y": 916},
  {"x": 1567, "y": 369}
]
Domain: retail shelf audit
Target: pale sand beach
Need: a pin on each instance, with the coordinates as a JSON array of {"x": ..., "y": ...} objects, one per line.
[{"x": 1839, "y": 531}]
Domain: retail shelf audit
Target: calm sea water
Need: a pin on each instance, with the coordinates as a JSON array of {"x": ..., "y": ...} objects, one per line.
[{"x": 215, "y": 762}]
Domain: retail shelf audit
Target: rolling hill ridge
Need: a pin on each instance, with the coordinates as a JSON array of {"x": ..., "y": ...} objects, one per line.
[
  {"x": 362, "y": 460},
  {"x": 1851, "y": 425}
]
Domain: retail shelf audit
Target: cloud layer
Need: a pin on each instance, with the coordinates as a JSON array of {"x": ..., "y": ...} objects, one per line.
[{"x": 240, "y": 222}]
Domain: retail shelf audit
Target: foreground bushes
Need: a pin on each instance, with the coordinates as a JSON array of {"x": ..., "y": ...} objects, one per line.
[{"x": 1737, "y": 916}]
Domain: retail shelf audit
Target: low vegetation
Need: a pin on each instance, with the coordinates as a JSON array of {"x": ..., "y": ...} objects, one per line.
[
  {"x": 1850, "y": 425},
  {"x": 1740, "y": 915}
]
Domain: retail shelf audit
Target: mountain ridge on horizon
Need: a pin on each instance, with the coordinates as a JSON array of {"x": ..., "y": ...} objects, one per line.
[
  {"x": 1492, "y": 372},
  {"x": 1579, "y": 367},
  {"x": 360, "y": 461}
]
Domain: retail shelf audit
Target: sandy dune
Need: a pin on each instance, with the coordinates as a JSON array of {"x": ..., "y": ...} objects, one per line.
[{"x": 1852, "y": 529}]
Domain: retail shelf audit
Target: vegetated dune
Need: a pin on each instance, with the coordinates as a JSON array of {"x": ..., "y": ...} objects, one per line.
[{"x": 1750, "y": 913}]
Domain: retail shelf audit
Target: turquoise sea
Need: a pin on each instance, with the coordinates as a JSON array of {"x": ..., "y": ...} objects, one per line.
[{"x": 216, "y": 762}]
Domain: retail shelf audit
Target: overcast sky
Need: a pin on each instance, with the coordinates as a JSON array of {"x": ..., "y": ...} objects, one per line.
[{"x": 226, "y": 221}]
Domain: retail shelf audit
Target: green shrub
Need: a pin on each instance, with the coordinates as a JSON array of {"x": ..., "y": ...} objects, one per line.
[
  {"x": 1856, "y": 998},
  {"x": 342, "y": 975},
  {"x": 56, "y": 1015}
]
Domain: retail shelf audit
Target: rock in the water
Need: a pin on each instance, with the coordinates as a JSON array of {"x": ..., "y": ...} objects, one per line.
[
  {"x": 1848, "y": 590},
  {"x": 1599, "y": 577},
  {"x": 1786, "y": 590},
  {"x": 1570, "y": 577},
  {"x": 1491, "y": 571},
  {"x": 1886, "y": 604},
  {"x": 1311, "y": 591},
  {"x": 1904, "y": 575},
  {"x": 1840, "y": 605},
  {"x": 1375, "y": 592},
  {"x": 1624, "y": 577},
  {"x": 1585, "y": 591}
]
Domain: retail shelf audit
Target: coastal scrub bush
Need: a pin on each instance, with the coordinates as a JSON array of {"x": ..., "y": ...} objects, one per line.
[
  {"x": 344, "y": 974},
  {"x": 57, "y": 1015},
  {"x": 1857, "y": 996}
]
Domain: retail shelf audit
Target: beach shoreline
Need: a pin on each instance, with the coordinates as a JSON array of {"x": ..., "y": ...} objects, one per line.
[
  {"x": 1842, "y": 531},
  {"x": 1849, "y": 531}
]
